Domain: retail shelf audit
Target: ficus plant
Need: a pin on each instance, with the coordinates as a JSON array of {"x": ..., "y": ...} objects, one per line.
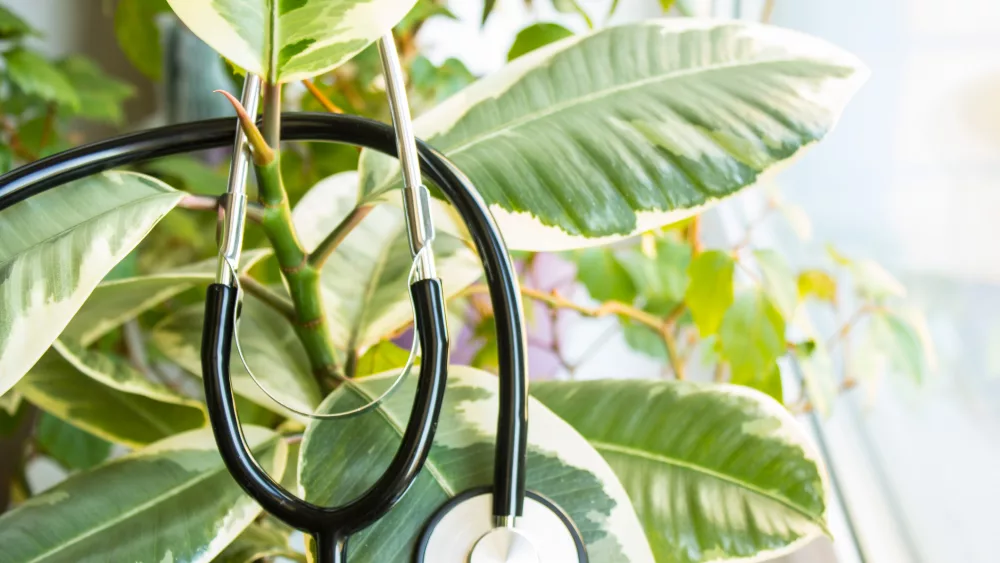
[{"x": 599, "y": 151}]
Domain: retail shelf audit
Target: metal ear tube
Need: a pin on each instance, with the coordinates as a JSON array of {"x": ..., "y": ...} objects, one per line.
[{"x": 502, "y": 522}]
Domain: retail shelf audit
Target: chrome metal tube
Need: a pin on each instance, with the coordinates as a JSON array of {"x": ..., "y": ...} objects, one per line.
[
  {"x": 416, "y": 201},
  {"x": 233, "y": 205}
]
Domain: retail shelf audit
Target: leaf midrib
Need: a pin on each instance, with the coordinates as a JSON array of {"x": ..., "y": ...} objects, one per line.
[
  {"x": 381, "y": 260},
  {"x": 650, "y": 456},
  {"x": 599, "y": 94},
  {"x": 131, "y": 512},
  {"x": 448, "y": 488}
]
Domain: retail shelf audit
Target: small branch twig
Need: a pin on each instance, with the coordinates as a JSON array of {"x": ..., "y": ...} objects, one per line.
[
  {"x": 326, "y": 247},
  {"x": 846, "y": 328},
  {"x": 268, "y": 296},
  {"x": 771, "y": 206},
  {"x": 196, "y": 202},
  {"x": 321, "y": 98},
  {"x": 768, "y": 11},
  {"x": 662, "y": 327}
]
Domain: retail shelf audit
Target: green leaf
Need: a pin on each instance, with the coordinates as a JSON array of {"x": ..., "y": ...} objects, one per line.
[
  {"x": 12, "y": 26},
  {"x": 752, "y": 338},
  {"x": 171, "y": 501},
  {"x": 872, "y": 281},
  {"x": 604, "y": 276},
  {"x": 778, "y": 280},
  {"x": 562, "y": 467},
  {"x": 257, "y": 542},
  {"x": 661, "y": 279},
  {"x": 373, "y": 301},
  {"x": 666, "y": 5},
  {"x": 573, "y": 7},
  {"x": 536, "y": 36},
  {"x": 36, "y": 76},
  {"x": 59, "y": 388},
  {"x": 139, "y": 36},
  {"x": 273, "y": 351},
  {"x": 818, "y": 284},
  {"x": 434, "y": 84},
  {"x": 632, "y": 127},
  {"x": 488, "y": 6},
  {"x": 289, "y": 40},
  {"x": 710, "y": 289},
  {"x": 900, "y": 342},
  {"x": 643, "y": 339},
  {"x": 381, "y": 357},
  {"x": 189, "y": 173},
  {"x": 71, "y": 447},
  {"x": 6, "y": 159},
  {"x": 101, "y": 96},
  {"x": 114, "y": 302},
  {"x": 715, "y": 472},
  {"x": 57, "y": 247}
]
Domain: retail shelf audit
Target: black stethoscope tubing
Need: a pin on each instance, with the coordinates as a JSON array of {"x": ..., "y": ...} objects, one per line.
[{"x": 331, "y": 526}]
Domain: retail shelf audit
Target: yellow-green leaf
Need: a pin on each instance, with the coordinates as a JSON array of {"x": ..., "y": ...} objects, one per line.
[{"x": 710, "y": 289}]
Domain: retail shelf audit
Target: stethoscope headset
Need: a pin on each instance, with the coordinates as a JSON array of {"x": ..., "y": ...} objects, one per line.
[{"x": 502, "y": 523}]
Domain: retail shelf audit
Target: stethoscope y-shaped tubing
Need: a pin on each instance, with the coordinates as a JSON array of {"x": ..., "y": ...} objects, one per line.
[{"x": 511, "y": 444}]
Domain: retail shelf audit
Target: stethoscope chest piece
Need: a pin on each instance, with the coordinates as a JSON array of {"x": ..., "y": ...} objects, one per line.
[{"x": 464, "y": 531}]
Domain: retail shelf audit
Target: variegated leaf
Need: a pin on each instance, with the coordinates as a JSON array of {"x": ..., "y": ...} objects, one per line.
[
  {"x": 365, "y": 288},
  {"x": 57, "y": 246},
  {"x": 116, "y": 301},
  {"x": 715, "y": 472},
  {"x": 130, "y": 412},
  {"x": 598, "y": 137},
  {"x": 272, "y": 349},
  {"x": 288, "y": 40},
  {"x": 172, "y": 501},
  {"x": 562, "y": 466}
]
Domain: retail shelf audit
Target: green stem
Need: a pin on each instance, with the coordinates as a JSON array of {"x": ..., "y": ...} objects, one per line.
[
  {"x": 272, "y": 115},
  {"x": 303, "y": 279},
  {"x": 326, "y": 247}
]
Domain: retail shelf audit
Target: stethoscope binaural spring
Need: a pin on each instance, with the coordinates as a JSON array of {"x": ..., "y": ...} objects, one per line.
[{"x": 503, "y": 522}]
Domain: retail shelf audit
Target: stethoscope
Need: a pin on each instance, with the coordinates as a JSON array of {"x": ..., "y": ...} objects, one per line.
[{"x": 502, "y": 523}]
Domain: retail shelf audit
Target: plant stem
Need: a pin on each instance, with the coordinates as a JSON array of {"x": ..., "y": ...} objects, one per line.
[
  {"x": 195, "y": 202},
  {"x": 268, "y": 297},
  {"x": 321, "y": 98},
  {"x": 768, "y": 11},
  {"x": 326, "y": 247},
  {"x": 846, "y": 328},
  {"x": 272, "y": 115},
  {"x": 303, "y": 279}
]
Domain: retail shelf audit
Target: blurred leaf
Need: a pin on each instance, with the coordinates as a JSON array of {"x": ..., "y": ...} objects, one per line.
[
  {"x": 900, "y": 343},
  {"x": 819, "y": 377},
  {"x": 260, "y": 541},
  {"x": 573, "y": 7},
  {"x": 818, "y": 284},
  {"x": 101, "y": 96},
  {"x": 12, "y": 26},
  {"x": 536, "y": 36},
  {"x": 437, "y": 83},
  {"x": 779, "y": 281},
  {"x": 752, "y": 338},
  {"x": 662, "y": 279},
  {"x": 643, "y": 339},
  {"x": 381, "y": 357},
  {"x": 488, "y": 356},
  {"x": 189, "y": 174},
  {"x": 424, "y": 10},
  {"x": 139, "y": 36},
  {"x": 10, "y": 402},
  {"x": 6, "y": 159},
  {"x": 710, "y": 289},
  {"x": 667, "y": 5},
  {"x": 872, "y": 281},
  {"x": 71, "y": 447},
  {"x": 488, "y": 6},
  {"x": 837, "y": 257},
  {"x": 36, "y": 76},
  {"x": 604, "y": 276},
  {"x": 797, "y": 219},
  {"x": 133, "y": 420}
]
